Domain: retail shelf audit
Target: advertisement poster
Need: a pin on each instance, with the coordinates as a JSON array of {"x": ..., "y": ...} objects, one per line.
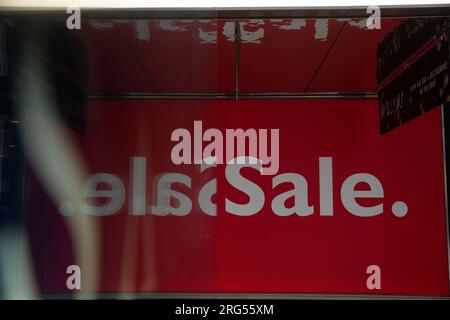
[{"x": 327, "y": 201}]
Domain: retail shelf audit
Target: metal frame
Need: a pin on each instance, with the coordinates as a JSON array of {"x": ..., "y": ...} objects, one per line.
[
  {"x": 444, "y": 154},
  {"x": 231, "y": 13},
  {"x": 231, "y": 296},
  {"x": 237, "y": 57},
  {"x": 230, "y": 96}
]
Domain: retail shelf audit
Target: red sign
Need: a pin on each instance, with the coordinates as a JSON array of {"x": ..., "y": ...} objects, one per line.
[{"x": 344, "y": 203}]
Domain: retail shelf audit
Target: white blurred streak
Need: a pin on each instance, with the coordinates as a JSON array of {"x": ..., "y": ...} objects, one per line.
[
  {"x": 149, "y": 282},
  {"x": 137, "y": 229},
  {"x": 17, "y": 276},
  {"x": 59, "y": 166},
  {"x": 150, "y": 276},
  {"x": 129, "y": 259}
]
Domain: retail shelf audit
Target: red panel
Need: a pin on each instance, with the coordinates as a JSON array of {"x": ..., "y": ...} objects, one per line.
[
  {"x": 167, "y": 56},
  {"x": 112, "y": 66},
  {"x": 286, "y": 55},
  {"x": 198, "y": 56},
  {"x": 187, "y": 56},
  {"x": 263, "y": 252},
  {"x": 330, "y": 254},
  {"x": 351, "y": 64}
]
